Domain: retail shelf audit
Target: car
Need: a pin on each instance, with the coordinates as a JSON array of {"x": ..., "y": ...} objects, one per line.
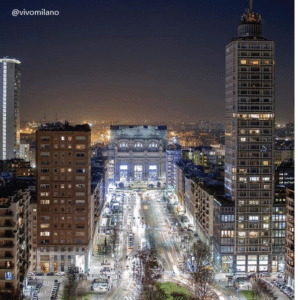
[
  {"x": 60, "y": 273},
  {"x": 39, "y": 274},
  {"x": 36, "y": 290},
  {"x": 31, "y": 274},
  {"x": 56, "y": 280},
  {"x": 50, "y": 274},
  {"x": 265, "y": 274}
]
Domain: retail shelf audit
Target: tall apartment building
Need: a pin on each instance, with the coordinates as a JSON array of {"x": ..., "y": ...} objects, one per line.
[
  {"x": 249, "y": 169},
  {"x": 63, "y": 156},
  {"x": 10, "y": 88},
  {"x": 14, "y": 237}
]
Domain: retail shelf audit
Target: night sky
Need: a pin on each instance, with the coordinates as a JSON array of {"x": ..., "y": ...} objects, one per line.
[{"x": 155, "y": 60}]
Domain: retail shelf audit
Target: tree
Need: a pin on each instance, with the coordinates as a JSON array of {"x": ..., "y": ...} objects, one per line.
[
  {"x": 114, "y": 238},
  {"x": 261, "y": 290},
  {"x": 75, "y": 288},
  {"x": 14, "y": 295},
  {"x": 149, "y": 273},
  {"x": 202, "y": 274}
]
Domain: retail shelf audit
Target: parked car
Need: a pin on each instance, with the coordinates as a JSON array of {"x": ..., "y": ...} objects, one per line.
[
  {"x": 50, "y": 274},
  {"x": 39, "y": 274}
]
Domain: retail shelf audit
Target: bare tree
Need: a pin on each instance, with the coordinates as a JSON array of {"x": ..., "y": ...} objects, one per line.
[
  {"x": 14, "y": 295},
  {"x": 261, "y": 289},
  {"x": 149, "y": 274},
  {"x": 202, "y": 274},
  {"x": 114, "y": 238},
  {"x": 75, "y": 287}
]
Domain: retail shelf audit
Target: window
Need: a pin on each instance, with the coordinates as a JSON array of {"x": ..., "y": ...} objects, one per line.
[
  {"x": 44, "y": 233},
  {"x": 80, "y": 194},
  {"x": 138, "y": 145},
  {"x": 62, "y": 138},
  {"x": 80, "y": 233},
  {"x": 45, "y": 138},
  {"x": 44, "y": 170},
  {"x": 255, "y": 62},
  {"x": 69, "y": 138},
  {"x": 44, "y": 186},
  {"x": 243, "y": 61},
  {"x": 44, "y": 225},
  {"x": 253, "y": 218},
  {"x": 44, "y": 201},
  {"x": 80, "y": 186},
  {"x": 44, "y": 194},
  {"x": 123, "y": 145},
  {"x": 80, "y": 147},
  {"x": 80, "y": 154},
  {"x": 81, "y": 170},
  {"x": 80, "y": 202},
  {"x": 80, "y": 138}
]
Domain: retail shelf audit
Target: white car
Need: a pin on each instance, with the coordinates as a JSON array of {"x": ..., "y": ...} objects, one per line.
[{"x": 59, "y": 273}]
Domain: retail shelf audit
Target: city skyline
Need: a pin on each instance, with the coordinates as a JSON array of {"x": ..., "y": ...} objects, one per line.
[{"x": 138, "y": 60}]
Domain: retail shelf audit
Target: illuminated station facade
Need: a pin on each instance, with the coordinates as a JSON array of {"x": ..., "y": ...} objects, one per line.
[{"x": 137, "y": 153}]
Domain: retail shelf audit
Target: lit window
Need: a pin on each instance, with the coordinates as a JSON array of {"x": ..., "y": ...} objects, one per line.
[
  {"x": 45, "y": 233},
  {"x": 69, "y": 169},
  {"x": 62, "y": 186},
  {"x": 44, "y": 201},
  {"x": 80, "y": 146},
  {"x": 255, "y": 62},
  {"x": 69, "y": 138},
  {"x": 44, "y": 225},
  {"x": 254, "y": 178},
  {"x": 243, "y": 139},
  {"x": 62, "y": 138},
  {"x": 243, "y": 61},
  {"x": 62, "y": 170},
  {"x": 265, "y": 163}
]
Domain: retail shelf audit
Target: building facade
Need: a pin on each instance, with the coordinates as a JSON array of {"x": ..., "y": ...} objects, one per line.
[
  {"x": 173, "y": 154},
  {"x": 10, "y": 88},
  {"x": 14, "y": 237},
  {"x": 64, "y": 222},
  {"x": 137, "y": 153},
  {"x": 290, "y": 238},
  {"x": 249, "y": 169}
]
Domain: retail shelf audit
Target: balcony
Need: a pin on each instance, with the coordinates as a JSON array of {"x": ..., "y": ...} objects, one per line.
[
  {"x": 7, "y": 214},
  {"x": 7, "y": 225},
  {"x": 7, "y": 246}
]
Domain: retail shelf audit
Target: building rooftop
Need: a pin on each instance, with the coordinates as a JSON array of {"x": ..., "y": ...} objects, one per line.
[
  {"x": 120, "y": 127},
  {"x": 64, "y": 127},
  {"x": 224, "y": 201}
]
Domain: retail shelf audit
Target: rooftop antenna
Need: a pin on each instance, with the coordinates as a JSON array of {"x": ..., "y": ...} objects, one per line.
[{"x": 250, "y": 5}]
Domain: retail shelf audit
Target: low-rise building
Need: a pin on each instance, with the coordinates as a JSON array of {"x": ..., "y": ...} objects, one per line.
[
  {"x": 279, "y": 229},
  {"x": 223, "y": 233},
  {"x": 290, "y": 237}
]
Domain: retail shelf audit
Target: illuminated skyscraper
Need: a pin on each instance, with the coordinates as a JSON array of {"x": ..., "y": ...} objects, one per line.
[
  {"x": 249, "y": 167},
  {"x": 10, "y": 76}
]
